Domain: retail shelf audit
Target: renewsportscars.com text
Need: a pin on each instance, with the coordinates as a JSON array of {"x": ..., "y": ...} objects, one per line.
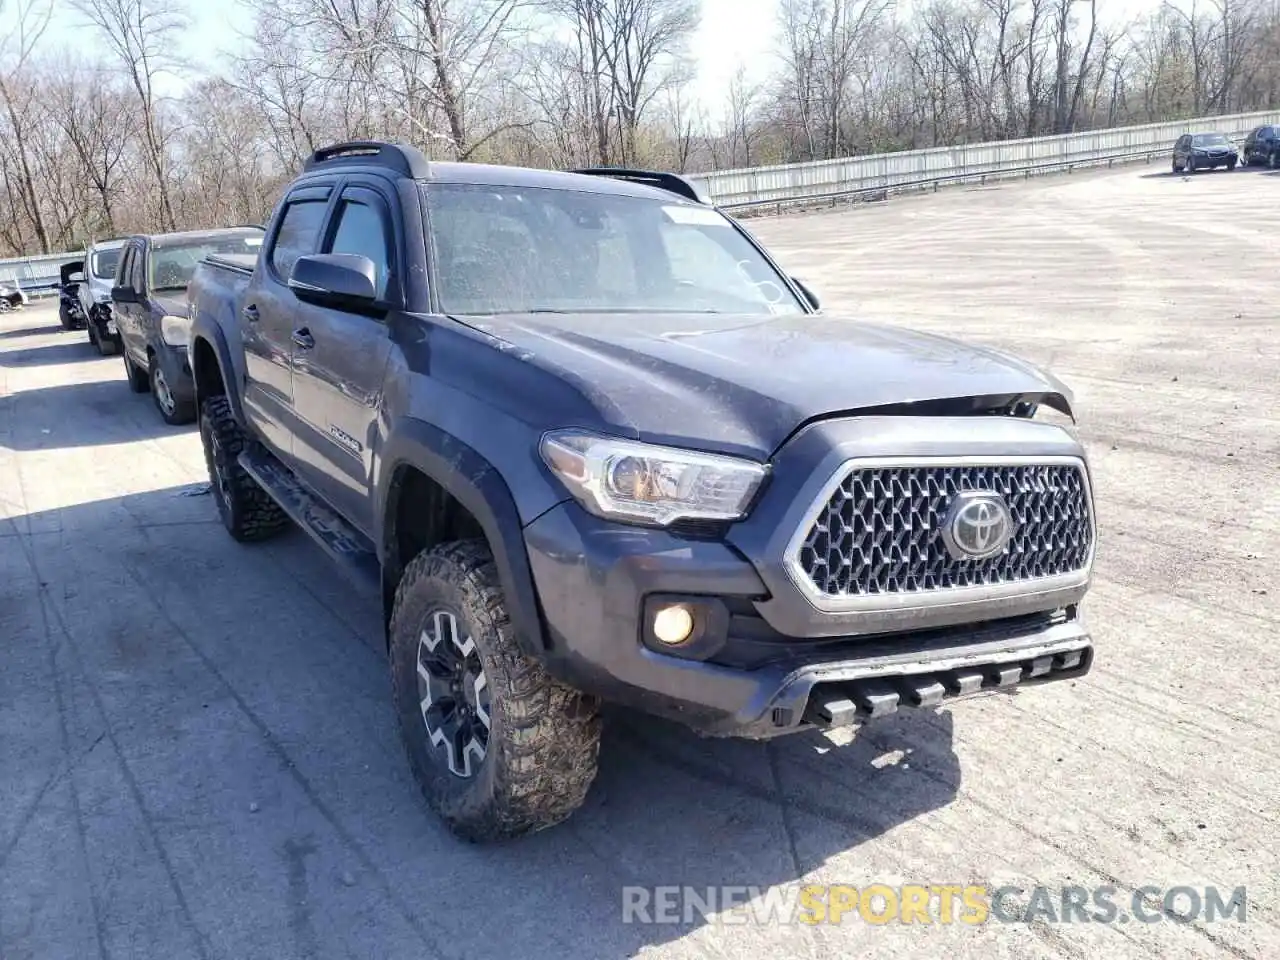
[{"x": 930, "y": 904}]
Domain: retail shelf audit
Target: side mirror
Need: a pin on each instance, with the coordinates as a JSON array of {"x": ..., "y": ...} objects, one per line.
[
  {"x": 345, "y": 281},
  {"x": 124, "y": 295},
  {"x": 808, "y": 294}
]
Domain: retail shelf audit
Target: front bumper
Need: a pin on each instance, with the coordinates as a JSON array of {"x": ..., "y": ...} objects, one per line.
[
  {"x": 1211, "y": 162},
  {"x": 104, "y": 323},
  {"x": 741, "y": 677}
]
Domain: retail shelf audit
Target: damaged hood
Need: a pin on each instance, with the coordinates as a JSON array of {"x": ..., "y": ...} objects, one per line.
[{"x": 745, "y": 384}]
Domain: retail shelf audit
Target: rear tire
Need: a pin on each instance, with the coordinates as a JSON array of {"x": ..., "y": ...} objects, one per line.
[
  {"x": 512, "y": 750},
  {"x": 138, "y": 380},
  {"x": 247, "y": 511}
]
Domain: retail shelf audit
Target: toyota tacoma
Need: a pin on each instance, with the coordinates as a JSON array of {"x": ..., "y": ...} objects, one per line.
[{"x": 586, "y": 442}]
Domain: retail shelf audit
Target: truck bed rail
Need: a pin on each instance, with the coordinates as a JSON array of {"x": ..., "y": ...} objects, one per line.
[{"x": 235, "y": 262}]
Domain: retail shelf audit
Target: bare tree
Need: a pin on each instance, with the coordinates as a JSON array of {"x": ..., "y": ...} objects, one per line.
[
  {"x": 426, "y": 70},
  {"x": 97, "y": 120},
  {"x": 629, "y": 53},
  {"x": 741, "y": 120},
  {"x": 139, "y": 34},
  {"x": 93, "y": 147},
  {"x": 1202, "y": 33},
  {"x": 30, "y": 18},
  {"x": 1069, "y": 87}
]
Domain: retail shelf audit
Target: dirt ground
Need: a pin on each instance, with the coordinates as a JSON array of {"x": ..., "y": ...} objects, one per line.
[{"x": 197, "y": 751}]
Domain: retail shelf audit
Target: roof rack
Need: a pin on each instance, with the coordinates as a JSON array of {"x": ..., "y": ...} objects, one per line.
[
  {"x": 672, "y": 183},
  {"x": 404, "y": 160}
]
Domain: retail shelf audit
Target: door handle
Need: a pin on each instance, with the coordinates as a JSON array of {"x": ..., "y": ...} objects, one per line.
[
  {"x": 250, "y": 313},
  {"x": 303, "y": 338}
]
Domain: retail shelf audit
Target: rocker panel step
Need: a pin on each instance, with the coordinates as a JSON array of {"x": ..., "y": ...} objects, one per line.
[{"x": 345, "y": 545}]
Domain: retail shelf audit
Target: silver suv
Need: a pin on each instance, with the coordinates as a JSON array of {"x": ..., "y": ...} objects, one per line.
[{"x": 95, "y": 294}]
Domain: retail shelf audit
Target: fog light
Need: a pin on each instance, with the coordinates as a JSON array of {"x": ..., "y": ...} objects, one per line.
[{"x": 673, "y": 624}]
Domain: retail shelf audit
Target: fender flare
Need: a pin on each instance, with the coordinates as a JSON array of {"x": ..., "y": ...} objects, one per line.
[
  {"x": 474, "y": 482},
  {"x": 212, "y": 334}
]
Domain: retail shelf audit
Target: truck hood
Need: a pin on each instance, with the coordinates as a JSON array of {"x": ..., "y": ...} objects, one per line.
[{"x": 745, "y": 384}]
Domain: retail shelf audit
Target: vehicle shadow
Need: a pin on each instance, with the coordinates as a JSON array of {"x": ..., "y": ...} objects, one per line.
[
  {"x": 49, "y": 354},
  {"x": 54, "y": 327},
  {"x": 103, "y": 412},
  {"x": 1171, "y": 175},
  {"x": 224, "y": 673}
]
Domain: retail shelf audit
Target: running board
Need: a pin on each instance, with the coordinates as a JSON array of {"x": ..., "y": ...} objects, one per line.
[{"x": 345, "y": 545}]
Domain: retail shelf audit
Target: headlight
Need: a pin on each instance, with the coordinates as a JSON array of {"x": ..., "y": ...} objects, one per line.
[
  {"x": 175, "y": 331},
  {"x": 102, "y": 297},
  {"x": 644, "y": 483}
]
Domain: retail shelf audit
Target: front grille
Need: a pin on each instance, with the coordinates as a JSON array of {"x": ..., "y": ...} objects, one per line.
[{"x": 880, "y": 531}]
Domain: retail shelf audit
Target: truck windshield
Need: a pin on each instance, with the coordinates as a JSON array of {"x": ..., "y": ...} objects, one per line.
[
  {"x": 500, "y": 249},
  {"x": 171, "y": 263}
]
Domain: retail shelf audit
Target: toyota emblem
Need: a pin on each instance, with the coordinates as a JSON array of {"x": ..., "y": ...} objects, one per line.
[{"x": 978, "y": 525}]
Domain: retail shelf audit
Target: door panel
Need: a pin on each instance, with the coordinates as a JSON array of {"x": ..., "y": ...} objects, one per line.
[
  {"x": 120, "y": 311},
  {"x": 338, "y": 377},
  {"x": 126, "y": 315},
  {"x": 139, "y": 318},
  {"x": 270, "y": 313},
  {"x": 337, "y": 390}
]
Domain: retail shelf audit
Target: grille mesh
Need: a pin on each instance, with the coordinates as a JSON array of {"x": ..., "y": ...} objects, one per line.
[{"x": 881, "y": 530}]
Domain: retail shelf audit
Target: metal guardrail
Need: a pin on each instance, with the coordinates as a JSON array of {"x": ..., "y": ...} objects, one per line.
[
  {"x": 885, "y": 173},
  {"x": 37, "y": 275}
]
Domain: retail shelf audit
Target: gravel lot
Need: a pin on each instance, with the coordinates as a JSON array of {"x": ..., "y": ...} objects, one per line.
[{"x": 197, "y": 752}]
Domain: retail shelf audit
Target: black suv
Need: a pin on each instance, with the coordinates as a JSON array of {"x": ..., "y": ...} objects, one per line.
[
  {"x": 149, "y": 304},
  {"x": 588, "y": 442},
  {"x": 1203, "y": 151},
  {"x": 1262, "y": 145}
]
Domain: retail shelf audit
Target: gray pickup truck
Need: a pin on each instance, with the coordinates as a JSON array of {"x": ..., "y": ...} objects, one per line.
[{"x": 587, "y": 442}]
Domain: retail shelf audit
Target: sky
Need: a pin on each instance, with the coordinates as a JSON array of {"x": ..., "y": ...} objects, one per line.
[{"x": 732, "y": 33}]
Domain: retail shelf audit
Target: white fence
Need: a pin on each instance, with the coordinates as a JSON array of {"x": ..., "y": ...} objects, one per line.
[{"x": 916, "y": 169}]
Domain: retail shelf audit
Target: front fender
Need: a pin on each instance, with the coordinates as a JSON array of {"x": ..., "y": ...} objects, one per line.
[{"x": 471, "y": 480}]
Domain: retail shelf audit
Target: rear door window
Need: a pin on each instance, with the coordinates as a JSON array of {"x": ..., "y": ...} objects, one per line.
[{"x": 298, "y": 234}]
